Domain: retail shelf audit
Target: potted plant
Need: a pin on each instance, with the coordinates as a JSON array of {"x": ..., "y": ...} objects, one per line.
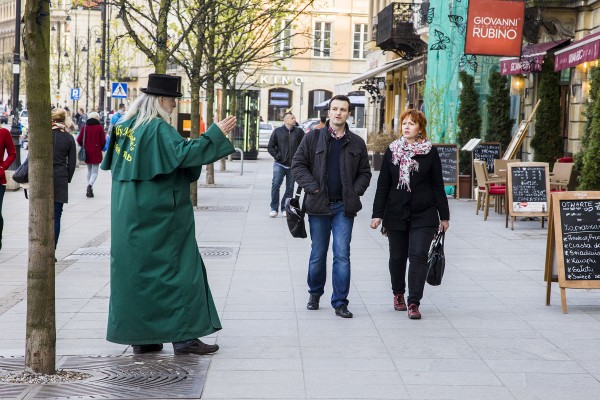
[
  {"x": 469, "y": 127},
  {"x": 377, "y": 144}
]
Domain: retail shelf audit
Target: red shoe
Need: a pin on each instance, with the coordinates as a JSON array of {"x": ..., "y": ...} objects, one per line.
[
  {"x": 413, "y": 312},
  {"x": 399, "y": 303}
]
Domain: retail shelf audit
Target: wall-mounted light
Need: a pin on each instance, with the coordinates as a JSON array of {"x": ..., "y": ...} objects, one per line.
[{"x": 381, "y": 85}]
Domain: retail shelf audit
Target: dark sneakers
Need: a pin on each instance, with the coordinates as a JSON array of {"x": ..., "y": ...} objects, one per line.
[
  {"x": 147, "y": 348},
  {"x": 313, "y": 302},
  {"x": 342, "y": 311},
  {"x": 198, "y": 347},
  {"x": 399, "y": 303},
  {"x": 413, "y": 312},
  {"x": 90, "y": 191}
]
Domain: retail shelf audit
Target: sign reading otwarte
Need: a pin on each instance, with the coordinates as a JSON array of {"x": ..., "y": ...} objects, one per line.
[{"x": 495, "y": 27}]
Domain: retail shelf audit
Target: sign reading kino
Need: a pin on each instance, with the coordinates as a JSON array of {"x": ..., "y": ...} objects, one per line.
[{"x": 276, "y": 80}]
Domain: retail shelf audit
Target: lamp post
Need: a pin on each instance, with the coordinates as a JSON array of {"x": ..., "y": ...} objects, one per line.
[
  {"x": 15, "y": 131},
  {"x": 103, "y": 62},
  {"x": 87, "y": 66}
]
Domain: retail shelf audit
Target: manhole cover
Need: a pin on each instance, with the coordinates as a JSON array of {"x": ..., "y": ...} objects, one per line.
[
  {"x": 216, "y": 252},
  {"x": 91, "y": 252},
  {"x": 123, "y": 377},
  {"x": 11, "y": 390},
  {"x": 224, "y": 186},
  {"x": 223, "y": 208}
]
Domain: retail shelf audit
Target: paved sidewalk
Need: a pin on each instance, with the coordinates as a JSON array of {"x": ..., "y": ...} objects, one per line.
[{"x": 485, "y": 334}]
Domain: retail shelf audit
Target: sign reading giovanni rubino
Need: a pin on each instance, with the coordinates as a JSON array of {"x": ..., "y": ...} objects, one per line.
[{"x": 494, "y": 27}]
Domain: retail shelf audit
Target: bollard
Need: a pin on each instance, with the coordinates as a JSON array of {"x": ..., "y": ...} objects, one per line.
[{"x": 241, "y": 159}]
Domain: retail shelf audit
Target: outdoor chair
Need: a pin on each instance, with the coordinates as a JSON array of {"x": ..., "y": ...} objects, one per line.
[
  {"x": 500, "y": 167},
  {"x": 487, "y": 188},
  {"x": 560, "y": 177}
]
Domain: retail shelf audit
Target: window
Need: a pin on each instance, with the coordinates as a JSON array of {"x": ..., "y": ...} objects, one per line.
[
  {"x": 322, "y": 43},
  {"x": 280, "y": 101},
  {"x": 314, "y": 98},
  {"x": 283, "y": 42},
  {"x": 359, "y": 40}
]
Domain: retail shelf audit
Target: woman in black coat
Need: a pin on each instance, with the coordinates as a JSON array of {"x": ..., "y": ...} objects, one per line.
[
  {"x": 64, "y": 163},
  {"x": 411, "y": 203}
]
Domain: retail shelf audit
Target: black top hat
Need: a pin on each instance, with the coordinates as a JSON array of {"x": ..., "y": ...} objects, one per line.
[{"x": 163, "y": 85}]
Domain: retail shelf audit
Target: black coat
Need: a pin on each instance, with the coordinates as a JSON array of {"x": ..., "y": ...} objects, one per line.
[
  {"x": 64, "y": 164},
  {"x": 309, "y": 168},
  {"x": 425, "y": 205},
  {"x": 283, "y": 144}
]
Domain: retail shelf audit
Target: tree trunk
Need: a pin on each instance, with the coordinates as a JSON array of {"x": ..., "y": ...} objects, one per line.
[
  {"x": 40, "y": 346},
  {"x": 195, "y": 128},
  {"x": 210, "y": 106}
]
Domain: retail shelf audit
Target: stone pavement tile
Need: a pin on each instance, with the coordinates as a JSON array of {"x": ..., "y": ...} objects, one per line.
[
  {"x": 357, "y": 327},
  {"x": 516, "y": 349},
  {"x": 89, "y": 333},
  {"x": 491, "y": 332},
  {"x": 371, "y": 350},
  {"x": 254, "y": 385},
  {"x": 256, "y": 328},
  {"x": 264, "y": 347},
  {"x": 458, "y": 392},
  {"x": 538, "y": 366},
  {"x": 258, "y": 315},
  {"x": 12, "y": 347},
  {"x": 87, "y": 346},
  {"x": 448, "y": 378},
  {"x": 548, "y": 386},
  {"x": 344, "y": 384},
  {"x": 248, "y": 364},
  {"x": 439, "y": 348},
  {"x": 391, "y": 336},
  {"x": 347, "y": 364},
  {"x": 578, "y": 349},
  {"x": 441, "y": 365}
]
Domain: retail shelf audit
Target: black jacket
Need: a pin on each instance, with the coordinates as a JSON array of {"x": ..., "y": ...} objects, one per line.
[
  {"x": 425, "y": 205},
  {"x": 309, "y": 168},
  {"x": 64, "y": 164},
  {"x": 284, "y": 143}
]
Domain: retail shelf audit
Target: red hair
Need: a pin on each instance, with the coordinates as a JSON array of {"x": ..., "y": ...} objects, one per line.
[{"x": 417, "y": 117}]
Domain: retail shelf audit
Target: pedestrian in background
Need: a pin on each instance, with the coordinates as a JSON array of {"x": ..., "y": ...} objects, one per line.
[
  {"x": 9, "y": 154},
  {"x": 91, "y": 137},
  {"x": 64, "y": 163},
  {"x": 69, "y": 122},
  {"x": 282, "y": 146},
  {"x": 321, "y": 123},
  {"x": 159, "y": 289},
  {"x": 411, "y": 203},
  {"x": 332, "y": 166},
  {"x": 116, "y": 117}
]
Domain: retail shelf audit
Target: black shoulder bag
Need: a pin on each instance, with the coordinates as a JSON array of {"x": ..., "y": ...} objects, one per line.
[
  {"x": 436, "y": 261},
  {"x": 295, "y": 215}
]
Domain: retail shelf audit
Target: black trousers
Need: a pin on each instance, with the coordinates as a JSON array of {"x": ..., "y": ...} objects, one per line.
[
  {"x": 2, "y": 190},
  {"x": 412, "y": 245}
]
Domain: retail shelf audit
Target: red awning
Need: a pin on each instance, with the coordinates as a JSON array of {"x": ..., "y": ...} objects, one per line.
[
  {"x": 578, "y": 52},
  {"x": 530, "y": 60}
]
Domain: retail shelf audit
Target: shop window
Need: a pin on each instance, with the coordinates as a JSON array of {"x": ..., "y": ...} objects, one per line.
[
  {"x": 359, "y": 40},
  {"x": 280, "y": 101},
  {"x": 283, "y": 41},
  {"x": 322, "y": 39},
  {"x": 315, "y": 97}
]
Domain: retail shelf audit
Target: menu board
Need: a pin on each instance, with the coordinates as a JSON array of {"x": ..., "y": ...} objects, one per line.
[
  {"x": 528, "y": 187},
  {"x": 573, "y": 242},
  {"x": 449, "y": 158},
  {"x": 488, "y": 152}
]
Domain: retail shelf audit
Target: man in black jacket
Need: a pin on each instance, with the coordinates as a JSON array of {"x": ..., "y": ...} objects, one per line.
[
  {"x": 282, "y": 146},
  {"x": 332, "y": 166}
]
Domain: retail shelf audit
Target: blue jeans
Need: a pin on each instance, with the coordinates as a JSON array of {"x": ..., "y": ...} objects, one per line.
[
  {"x": 58, "y": 209},
  {"x": 278, "y": 174},
  {"x": 321, "y": 228}
]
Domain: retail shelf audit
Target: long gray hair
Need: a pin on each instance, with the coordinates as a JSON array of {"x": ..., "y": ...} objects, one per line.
[{"x": 145, "y": 108}]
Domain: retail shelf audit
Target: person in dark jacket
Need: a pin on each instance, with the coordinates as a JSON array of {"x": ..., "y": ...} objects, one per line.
[
  {"x": 64, "y": 163},
  {"x": 332, "y": 166},
  {"x": 282, "y": 146},
  {"x": 6, "y": 147},
  {"x": 91, "y": 137},
  {"x": 411, "y": 203}
]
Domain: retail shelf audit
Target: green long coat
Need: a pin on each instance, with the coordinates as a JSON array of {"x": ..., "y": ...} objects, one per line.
[{"x": 159, "y": 288}]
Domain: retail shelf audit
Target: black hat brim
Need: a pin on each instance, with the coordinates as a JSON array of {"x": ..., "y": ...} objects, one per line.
[{"x": 156, "y": 92}]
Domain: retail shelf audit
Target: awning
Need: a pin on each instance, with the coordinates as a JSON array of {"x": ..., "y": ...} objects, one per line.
[
  {"x": 530, "y": 60},
  {"x": 379, "y": 70},
  {"x": 354, "y": 100},
  {"x": 578, "y": 52}
]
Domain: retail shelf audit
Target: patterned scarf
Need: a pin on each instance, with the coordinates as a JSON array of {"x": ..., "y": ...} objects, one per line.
[
  {"x": 402, "y": 153},
  {"x": 59, "y": 125}
]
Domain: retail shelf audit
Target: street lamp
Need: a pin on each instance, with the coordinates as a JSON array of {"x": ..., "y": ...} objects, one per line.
[{"x": 15, "y": 131}]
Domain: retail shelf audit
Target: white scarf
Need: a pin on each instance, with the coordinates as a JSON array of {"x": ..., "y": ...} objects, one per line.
[{"x": 402, "y": 153}]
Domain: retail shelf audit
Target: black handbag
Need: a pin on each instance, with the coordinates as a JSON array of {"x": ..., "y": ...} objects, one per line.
[
  {"x": 436, "y": 262},
  {"x": 295, "y": 215},
  {"x": 21, "y": 174},
  {"x": 81, "y": 155}
]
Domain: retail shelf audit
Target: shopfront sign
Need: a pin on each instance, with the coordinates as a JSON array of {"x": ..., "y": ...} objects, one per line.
[
  {"x": 276, "y": 80},
  {"x": 584, "y": 50},
  {"x": 531, "y": 58},
  {"x": 416, "y": 71},
  {"x": 494, "y": 27}
]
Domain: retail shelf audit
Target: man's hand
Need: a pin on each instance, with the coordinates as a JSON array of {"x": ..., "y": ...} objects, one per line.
[
  {"x": 375, "y": 222},
  {"x": 227, "y": 124}
]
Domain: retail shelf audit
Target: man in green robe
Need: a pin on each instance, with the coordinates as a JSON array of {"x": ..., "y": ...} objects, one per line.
[{"x": 159, "y": 288}]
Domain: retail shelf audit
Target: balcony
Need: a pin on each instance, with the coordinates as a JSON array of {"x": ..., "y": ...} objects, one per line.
[{"x": 395, "y": 30}]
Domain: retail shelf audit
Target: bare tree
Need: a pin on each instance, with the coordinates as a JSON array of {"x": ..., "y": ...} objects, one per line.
[{"x": 40, "y": 352}]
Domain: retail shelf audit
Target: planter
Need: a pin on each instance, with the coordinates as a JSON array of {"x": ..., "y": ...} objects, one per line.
[
  {"x": 376, "y": 161},
  {"x": 465, "y": 190}
]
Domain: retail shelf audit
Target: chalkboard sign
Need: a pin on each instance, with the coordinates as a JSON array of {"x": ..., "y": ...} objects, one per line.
[
  {"x": 519, "y": 136},
  {"x": 488, "y": 152},
  {"x": 449, "y": 158},
  {"x": 575, "y": 222},
  {"x": 528, "y": 190}
]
